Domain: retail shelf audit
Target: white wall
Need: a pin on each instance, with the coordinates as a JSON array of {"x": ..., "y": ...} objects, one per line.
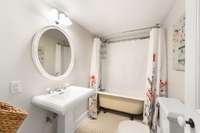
[
  {"x": 20, "y": 19},
  {"x": 175, "y": 78},
  {"x": 124, "y": 69}
]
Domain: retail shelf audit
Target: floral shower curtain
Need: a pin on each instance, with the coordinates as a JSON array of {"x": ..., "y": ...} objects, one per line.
[
  {"x": 95, "y": 65},
  {"x": 156, "y": 84},
  {"x": 94, "y": 77}
]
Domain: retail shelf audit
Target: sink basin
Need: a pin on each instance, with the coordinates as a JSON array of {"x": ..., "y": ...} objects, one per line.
[
  {"x": 64, "y": 103},
  {"x": 61, "y": 102}
]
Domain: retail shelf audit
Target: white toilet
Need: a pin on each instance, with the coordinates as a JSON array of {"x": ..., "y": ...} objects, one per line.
[{"x": 170, "y": 109}]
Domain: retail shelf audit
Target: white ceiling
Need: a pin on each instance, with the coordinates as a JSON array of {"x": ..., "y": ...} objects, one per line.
[{"x": 104, "y": 17}]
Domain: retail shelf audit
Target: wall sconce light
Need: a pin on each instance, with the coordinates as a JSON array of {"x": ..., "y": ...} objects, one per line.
[
  {"x": 59, "y": 18},
  {"x": 64, "y": 20}
]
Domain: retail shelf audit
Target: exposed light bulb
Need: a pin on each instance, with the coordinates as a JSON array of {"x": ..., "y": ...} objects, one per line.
[
  {"x": 53, "y": 15},
  {"x": 57, "y": 17},
  {"x": 62, "y": 16},
  {"x": 68, "y": 21},
  {"x": 64, "y": 20}
]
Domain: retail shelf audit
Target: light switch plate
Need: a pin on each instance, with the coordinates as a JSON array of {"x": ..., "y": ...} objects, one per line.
[{"x": 15, "y": 87}]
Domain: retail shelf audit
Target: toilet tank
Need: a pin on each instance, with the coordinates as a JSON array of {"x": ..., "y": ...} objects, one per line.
[{"x": 170, "y": 109}]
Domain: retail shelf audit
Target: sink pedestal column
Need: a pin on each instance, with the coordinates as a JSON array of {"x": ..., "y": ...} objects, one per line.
[{"x": 66, "y": 123}]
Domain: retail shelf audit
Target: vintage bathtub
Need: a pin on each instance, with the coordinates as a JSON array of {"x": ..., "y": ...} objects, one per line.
[{"x": 130, "y": 105}]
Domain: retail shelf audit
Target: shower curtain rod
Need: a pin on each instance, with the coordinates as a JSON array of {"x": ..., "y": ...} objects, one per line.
[
  {"x": 127, "y": 39},
  {"x": 111, "y": 36},
  {"x": 134, "y": 30}
]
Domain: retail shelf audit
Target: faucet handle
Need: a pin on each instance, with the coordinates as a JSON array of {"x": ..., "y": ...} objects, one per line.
[{"x": 49, "y": 90}]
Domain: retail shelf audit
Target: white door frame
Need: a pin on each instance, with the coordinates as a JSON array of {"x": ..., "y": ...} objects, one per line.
[{"x": 192, "y": 54}]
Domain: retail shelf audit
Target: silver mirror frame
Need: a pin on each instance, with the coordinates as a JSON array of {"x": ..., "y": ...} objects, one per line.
[{"x": 35, "y": 45}]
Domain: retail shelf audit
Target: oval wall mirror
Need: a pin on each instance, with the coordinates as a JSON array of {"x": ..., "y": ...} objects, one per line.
[{"x": 52, "y": 53}]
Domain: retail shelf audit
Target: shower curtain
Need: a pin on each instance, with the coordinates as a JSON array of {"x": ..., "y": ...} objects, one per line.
[
  {"x": 156, "y": 80},
  {"x": 94, "y": 77},
  {"x": 95, "y": 65}
]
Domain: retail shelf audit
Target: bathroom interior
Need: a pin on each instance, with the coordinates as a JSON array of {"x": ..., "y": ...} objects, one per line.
[{"x": 100, "y": 66}]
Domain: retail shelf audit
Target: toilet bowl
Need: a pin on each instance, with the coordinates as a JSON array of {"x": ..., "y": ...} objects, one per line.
[{"x": 129, "y": 126}]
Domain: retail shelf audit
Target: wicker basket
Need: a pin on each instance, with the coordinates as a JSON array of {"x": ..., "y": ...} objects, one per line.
[{"x": 11, "y": 118}]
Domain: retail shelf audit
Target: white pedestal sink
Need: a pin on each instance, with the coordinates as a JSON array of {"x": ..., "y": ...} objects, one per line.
[{"x": 63, "y": 104}]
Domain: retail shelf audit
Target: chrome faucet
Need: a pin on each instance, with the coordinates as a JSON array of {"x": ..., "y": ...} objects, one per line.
[{"x": 57, "y": 89}]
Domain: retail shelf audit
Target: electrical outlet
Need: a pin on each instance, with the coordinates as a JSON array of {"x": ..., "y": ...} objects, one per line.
[{"x": 15, "y": 87}]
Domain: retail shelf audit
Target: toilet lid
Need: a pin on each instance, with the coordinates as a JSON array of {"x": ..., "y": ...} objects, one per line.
[{"x": 132, "y": 127}]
